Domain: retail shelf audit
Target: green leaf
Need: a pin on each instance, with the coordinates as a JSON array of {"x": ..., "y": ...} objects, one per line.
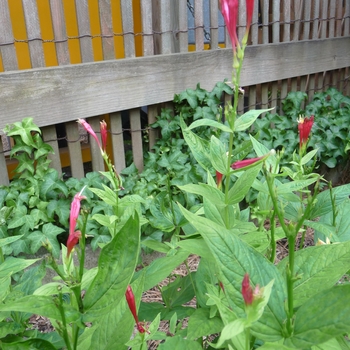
[
  {"x": 234, "y": 259},
  {"x": 53, "y": 183},
  {"x": 210, "y": 193},
  {"x": 323, "y": 203},
  {"x": 13, "y": 265},
  {"x": 241, "y": 187},
  {"x": 41, "y": 305},
  {"x": 318, "y": 269},
  {"x": 218, "y": 155},
  {"x": 209, "y": 122},
  {"x": 105, "y": 337},
  {"x": 9, "y": 240},
  {"x": 201, "y": 324},
  {"x": 261, "y": 150},
  {"x": 30, "y": 344},
  {"x": 296, "y": 185},
  {"x": 178, "y": 292},
  {"x": 200, "y": 148},
  {"x": 107, "y": 195},
  {"x": 161, "y": 268},
  {"x": 48, "y": 235},
  {"x": 61, "y": 208},
  {"x": 116, "y": 266},
  {"x": 247, "y": 119},
  {"x": 24, "y": 130},
  {"x": 178, "y": 342},
  {"x": 333, "y": 318},
  {"x": 308, "y": 156}
]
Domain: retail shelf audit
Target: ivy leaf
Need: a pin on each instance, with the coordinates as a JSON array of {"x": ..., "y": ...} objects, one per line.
[
  {"x": 24, "y": 130},
  {"x": 61, "y": 208},
  {"x": 48, "y": 235}
]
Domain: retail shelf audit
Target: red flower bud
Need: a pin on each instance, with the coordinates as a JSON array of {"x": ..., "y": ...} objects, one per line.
[
  {"x": 130, "y": 298},
  {"x": 250, "y": 10},
  {"x": 229, "y": 9},
  {"x": 73, "y": 239},
  {"x": 247, "y": 291},
  {"x": 88, "y": 128},
  {"x": 243, "y": 163},
  {"x": 103, "y": 128},
  {"x": 218, "y": 179}
]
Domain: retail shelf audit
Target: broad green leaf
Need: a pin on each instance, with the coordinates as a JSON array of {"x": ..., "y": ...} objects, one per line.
[
  {"x": 218, "y": 155},
  {"x": 107, "y": 195},
  {"x": 8, "y": 240},
  {"x": 247, "y": 119},
  {"x": 261, "y": 150},
  {"x": 48, "y": 235},
  {"x": 332, "y": 344},
  {"x": 178, "y": 342},
  {"x": 7, "y": 328},
  {"x": 241, "y": 187},
  {"x": 51, "y": 289},
  {"x": 318, "y": 269},
  {"x": 26, "y": 220},
  {"x": 30, "y": 344},
  {"x": 24, "y": 130},
  {"x": 52, "y": 183},
  {"x": 325, "y": 229},
  {"x": 179, "y": 292},
  {"x": 210, "y": 193},
  {"x": 296, "y": 185},
  {"x": 201, "y": 324},
  {"x": 199, "y": 147},
  {"x": 5, "y": 283},
  {"x": 323, "y": 204},
  {"x": 41, "y": 305},
  {"x": 324, "y": 316},
  {"x": 196, "y": 246},
  {"x": 275, "y": 346},
  {"x": 105, "y": 337},
  {"x": 209, "y": 122},
  {"x": 116, "y": 265},
  {"x": 161, "y": 268},
  {"x": 308, "y": 156},
  {"x": 13, "y": 265},
  {"x": 234, "y": 259}
]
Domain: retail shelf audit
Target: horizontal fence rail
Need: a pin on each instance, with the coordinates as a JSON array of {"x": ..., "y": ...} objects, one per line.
[{"x": 123, "y": 61}]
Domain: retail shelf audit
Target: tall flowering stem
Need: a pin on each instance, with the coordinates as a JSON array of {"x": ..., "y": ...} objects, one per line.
[{"x": 229, "y": 9}]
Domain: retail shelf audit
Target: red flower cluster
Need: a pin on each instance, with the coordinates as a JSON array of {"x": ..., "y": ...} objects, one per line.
[
  {"x": 229, "y": 9},
  {"x": 103, "y": 130},
  {"x": 304, "y": 127}
]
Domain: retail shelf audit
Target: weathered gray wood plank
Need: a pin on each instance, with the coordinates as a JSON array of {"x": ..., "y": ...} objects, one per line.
[
  {"x": 33, "y": 32},
  {"x": 136, "y": 138},
  {"x": 146, "y": 13},
  {"x": 199, "y": 24},
  {"x": 79, "y": 91},
  {"x": 59, "y": 29},
  {"x": 214, "y": 24},
  {"x": 7, "y": 52},
  {"x": 128, "y": 28},
  {"x": 117, "y": 141},
  {"x": 286, "y": 20},
  {"x": 74, "y": 147},
  {"x": 4, "y": 177},
  {"x": 50, "y": 137},
  {"x": 96, "y": 158},
  {"x": 183, "y": 26},
  {"x": 153, "y": 134},
  {"x": 82, "y": 10},
  {"x": 106, "y": 29}
]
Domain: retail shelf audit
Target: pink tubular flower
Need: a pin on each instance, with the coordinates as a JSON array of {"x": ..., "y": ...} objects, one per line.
[
  {"x": 247, "y": 290},
  {"x": 103, "y": 129},
  {"x": 130, "y": 298},
  {"x": 243, "y": 163},
  {"x": 75, "y": 210},
  {"x": 229, "y": 10},
  {"x": 304, "y": 127},
  {"x": 218, "y": 179},
  {"x": 73, "y": 239},
  {"x": 88, "y": 128},
  {"x": 250, "y": 10},
  {"x": 74, "y": 236}
]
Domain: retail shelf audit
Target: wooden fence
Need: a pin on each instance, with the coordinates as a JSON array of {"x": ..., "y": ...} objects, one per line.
[{"x": 63, "y": 60}]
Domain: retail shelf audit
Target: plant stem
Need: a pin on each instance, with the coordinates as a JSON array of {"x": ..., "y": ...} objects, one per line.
[
  {"x": 65, "y": 334},
  {"x": 273, "y": 240},
  {"x": 247, "y": 338},
  {"x": 290, "y": 282}
]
